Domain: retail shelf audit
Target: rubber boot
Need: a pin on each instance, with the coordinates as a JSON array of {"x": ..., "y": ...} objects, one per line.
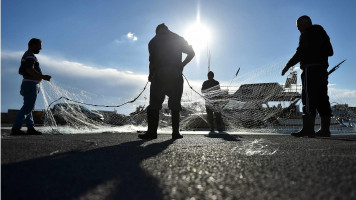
[
  {"x": 324, "y": 127},
  {"x": 308, "y": 127},
  {"x": 152, "y": 120},
  {"x": 175, "y": 125},
  {"x": 32, "y": 131}
]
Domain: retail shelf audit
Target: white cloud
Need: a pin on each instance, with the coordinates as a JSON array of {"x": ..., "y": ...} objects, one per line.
[
  {"x": 131, "y": 36},
  {"x": 345, "y": 93},
  {"x": 127, "y": 38},
  {"x": 113, "y": 80},
  {"x": 76, "y": 70},
  {"x": 342, "y": 96}
]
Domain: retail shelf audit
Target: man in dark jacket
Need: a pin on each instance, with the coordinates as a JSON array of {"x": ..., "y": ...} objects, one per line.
[
  {"x": 30, "y": 87},
  {"x": 166, "y": 68},
  {"x": 312, "y": 53},
  {"x": 211, "y": 89}
]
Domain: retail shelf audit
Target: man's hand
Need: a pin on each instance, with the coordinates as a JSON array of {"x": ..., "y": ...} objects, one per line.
[
  {"x": 285, "y": 69},
  {"x": 46, "y": 77}
]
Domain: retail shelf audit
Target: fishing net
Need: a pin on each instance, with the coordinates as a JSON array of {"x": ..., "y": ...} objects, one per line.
[{"x": 250, "y": 102}]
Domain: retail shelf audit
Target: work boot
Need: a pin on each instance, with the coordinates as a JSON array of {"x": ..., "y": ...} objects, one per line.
[
  {"x": 152, "y": 120},
  {"x": 32, "y": 131},
  {"x": 308, "y": 127},
  {"x": 175, "y": 125},
  {"x": 17, "y": 132},
  {"x": 324, "y": 127}
]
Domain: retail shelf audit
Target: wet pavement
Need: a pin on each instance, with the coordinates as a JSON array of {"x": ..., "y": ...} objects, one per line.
[{"x": 199, "y": 166}]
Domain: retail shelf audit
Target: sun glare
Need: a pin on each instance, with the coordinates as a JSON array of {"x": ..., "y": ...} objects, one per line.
[{"x": 198, "y": 36}]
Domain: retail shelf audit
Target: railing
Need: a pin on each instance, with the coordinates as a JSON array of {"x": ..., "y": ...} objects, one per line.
[{"x": 293, "y": 88}]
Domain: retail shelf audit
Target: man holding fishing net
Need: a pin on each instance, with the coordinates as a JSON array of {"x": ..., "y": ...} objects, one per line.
[
  {"x": 211, "y": 90},
  {"x": 312, "y": 53},
  {"x": 30, "y": 87},
  {"x": 166, "y": 68}
]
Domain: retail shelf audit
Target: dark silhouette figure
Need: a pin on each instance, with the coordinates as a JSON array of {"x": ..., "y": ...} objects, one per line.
[
  {"x": 166, "y": 68},
  {"x": 30, "y": 87},
  {"x": 211, "y": 89},
  {"x": 312, "y": 53}
]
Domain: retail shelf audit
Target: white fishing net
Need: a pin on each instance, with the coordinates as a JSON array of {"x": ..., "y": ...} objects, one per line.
[{"x": 249, "y": 102}]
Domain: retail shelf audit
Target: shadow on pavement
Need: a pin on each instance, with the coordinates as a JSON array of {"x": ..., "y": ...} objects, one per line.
[
  {"x": 340, "y": 138},
  {"x": 224, "y": 135},
  {"x": 105, "y": 173}
]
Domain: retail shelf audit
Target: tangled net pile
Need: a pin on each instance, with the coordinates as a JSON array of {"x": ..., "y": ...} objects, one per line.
[{"x": 251, "y": 104}]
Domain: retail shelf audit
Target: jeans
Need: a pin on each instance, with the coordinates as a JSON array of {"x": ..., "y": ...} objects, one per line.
[{"x": 29, "y": 91}]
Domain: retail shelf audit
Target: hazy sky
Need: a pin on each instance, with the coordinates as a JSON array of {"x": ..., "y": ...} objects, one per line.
[{"x": 101, "y": 46}]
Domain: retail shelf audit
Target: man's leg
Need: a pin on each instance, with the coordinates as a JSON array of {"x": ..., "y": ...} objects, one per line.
[
  {"x": 323, "y": 105},
  {"x": 308, "y": 109},
  {"x": 174, "y": 103},
  {"x": 29, "y": 93},
  {"x": 218, "y": 121},
  {"x": 156, "y": 100},
  {"x": 29, "y": 120},
  {"x": 210, "y": 116},
  {"x": 175, "y": 124}
]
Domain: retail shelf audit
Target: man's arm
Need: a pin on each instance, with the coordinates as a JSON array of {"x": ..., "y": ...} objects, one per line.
[
  {"x": 38, "y": 75},
  {"x": 189, "y": 57},
  {"x": 295, "y": 59},
  {"x": 329, "y": 47},
  {"x": 203, "y": 87},
  {"x": 150, "y": 73},
  {"x": 29, "y": 68}
]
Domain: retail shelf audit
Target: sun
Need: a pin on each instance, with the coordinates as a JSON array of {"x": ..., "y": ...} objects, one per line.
[{"x": 198, "y": 36}]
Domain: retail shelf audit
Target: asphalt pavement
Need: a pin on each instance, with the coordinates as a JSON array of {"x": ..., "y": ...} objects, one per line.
[{"x": 199, "y": 166}]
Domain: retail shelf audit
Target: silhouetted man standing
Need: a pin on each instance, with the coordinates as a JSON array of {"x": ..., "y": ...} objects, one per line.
[
  {"x": 166, "y": 68},
  {"x": 211, "y": 89},
  {"x": 30, "y": 87},
  {"x": 312, "y": 53}
]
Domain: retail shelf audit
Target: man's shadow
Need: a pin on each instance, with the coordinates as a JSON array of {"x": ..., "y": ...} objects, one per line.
[
  {"x": 347, "y": 138},
  {"x": 112, "y": 172},
  {"x": 223, "y": 135}
]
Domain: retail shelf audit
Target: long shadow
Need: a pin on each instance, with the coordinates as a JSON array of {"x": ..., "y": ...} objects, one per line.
[
  {"x": 339, "y": 138},
  {"x": 110, "y": 172},
  {"x": 223, "y": 135}
]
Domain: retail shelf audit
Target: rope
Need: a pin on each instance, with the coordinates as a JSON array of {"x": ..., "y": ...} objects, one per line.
[
  {"x": 96, "y": 105},
  {"x": 117, "y": 106},
  {"x": 205, "y": 98}
]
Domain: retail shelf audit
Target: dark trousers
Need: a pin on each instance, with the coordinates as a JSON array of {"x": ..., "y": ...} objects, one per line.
[
  {"x": 211, "y": 114},
  {"x": 168, "y": 83},
  {"x": 315, "y": 91}
]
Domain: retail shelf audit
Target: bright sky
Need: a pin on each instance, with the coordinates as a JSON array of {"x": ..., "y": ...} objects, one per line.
[{"x": 105, "y": 42}]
